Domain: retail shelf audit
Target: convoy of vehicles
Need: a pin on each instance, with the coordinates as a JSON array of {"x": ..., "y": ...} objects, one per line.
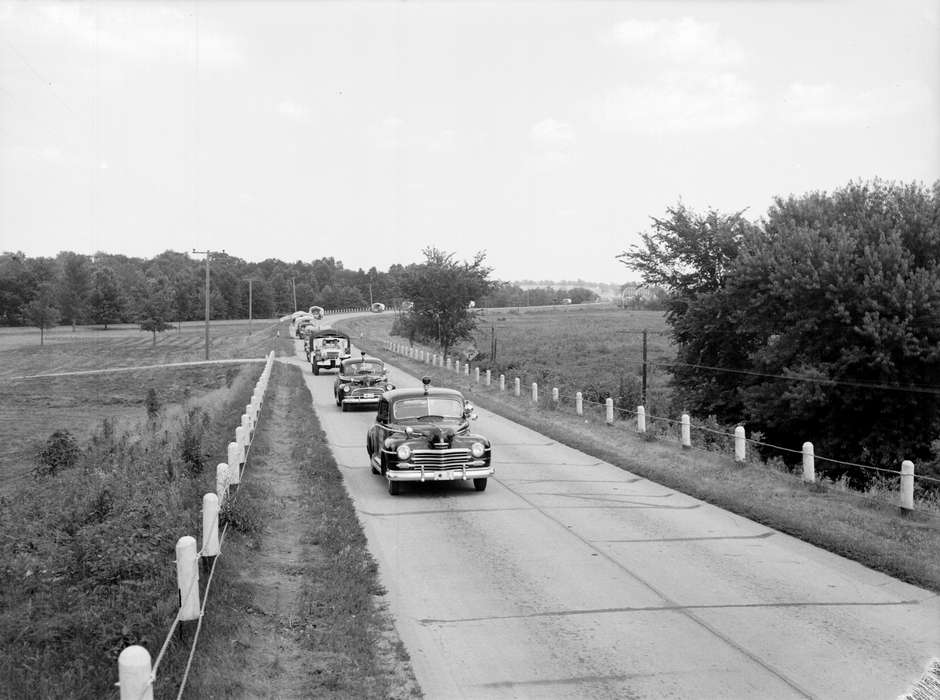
[
  {"x": 326, "y": 349},
  {"x": 419, "y": 434},
  {"x": 360, "y": 382},
  {"x": 423, "y": 434}
]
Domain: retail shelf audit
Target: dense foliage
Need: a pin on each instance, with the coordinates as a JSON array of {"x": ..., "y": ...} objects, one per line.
[
  {"x": 820, "y": 323},
  {"x": 104, "y": 289},
  {"x": 443, "y": 292}
]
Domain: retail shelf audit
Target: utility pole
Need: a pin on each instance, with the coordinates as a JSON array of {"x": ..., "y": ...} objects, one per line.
[
  {"x": 644, "y": 367},
  {"x": 209, "y": 255},
  {"x": 370, "y": 295},
  {"x": 250, "y": 280},
  {"x": 293, "y": 287}
]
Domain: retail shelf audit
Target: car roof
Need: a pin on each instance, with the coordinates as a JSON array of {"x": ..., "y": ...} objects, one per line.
[
  {"x": 329, "y": 332},
  {"x": 418, "y": 391}
]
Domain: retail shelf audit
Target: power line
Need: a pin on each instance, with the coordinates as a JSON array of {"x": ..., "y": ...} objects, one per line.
[{"x": 913, "y": 388}]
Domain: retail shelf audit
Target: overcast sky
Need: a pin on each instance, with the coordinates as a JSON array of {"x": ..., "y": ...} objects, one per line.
[{"x": 546, "y": 134}]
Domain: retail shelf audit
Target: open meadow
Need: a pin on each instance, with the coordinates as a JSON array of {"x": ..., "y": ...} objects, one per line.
[
  {"x": 596, "y": 349},
  {"x": 76, "y": 380}
]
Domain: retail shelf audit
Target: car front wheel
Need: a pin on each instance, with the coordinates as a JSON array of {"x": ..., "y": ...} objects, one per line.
[
  {"x": 394, "y": 487},
  {"x": 479, "y": 484}
]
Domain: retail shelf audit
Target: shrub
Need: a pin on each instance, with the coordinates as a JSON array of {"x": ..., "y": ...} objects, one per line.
[
  {"x": 152, "y": 403},
  {"x": 60, "y": 452}
]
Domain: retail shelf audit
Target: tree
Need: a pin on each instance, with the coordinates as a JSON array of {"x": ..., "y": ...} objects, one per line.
[
  {"x": 104, "y": 301},
  {"x": 689, "y": 255},
  {"x": 842, "y": 291},
  {"x": 157, "y": 308},
  {"x": 441, "y": 289},
  {"x": 822, "y": 323},
  {"x": 41, "y": 311},
  {"x": 74, "y": 287}
]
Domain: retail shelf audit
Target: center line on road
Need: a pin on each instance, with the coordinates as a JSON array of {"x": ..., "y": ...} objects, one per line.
[
  {"x": 666, "y": 608},
  {"x": 439, "y": 511},
  {"x": 692, "y": 539}
]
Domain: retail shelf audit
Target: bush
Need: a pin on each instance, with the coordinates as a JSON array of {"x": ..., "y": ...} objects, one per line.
[
  {"x": 60, "y": 452},
  {"x": 152, "y": 403}
]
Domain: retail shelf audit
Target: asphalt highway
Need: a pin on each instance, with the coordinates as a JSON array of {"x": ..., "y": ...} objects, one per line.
[{"x": 571, "y": 578}]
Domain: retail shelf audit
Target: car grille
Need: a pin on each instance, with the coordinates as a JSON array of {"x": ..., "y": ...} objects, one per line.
[{"x": 440, "y": 459}]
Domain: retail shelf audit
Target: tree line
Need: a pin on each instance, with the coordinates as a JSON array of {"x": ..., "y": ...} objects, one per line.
[
  {"x": 105, "y": 289},
  {"x": 819, "y": 322}
]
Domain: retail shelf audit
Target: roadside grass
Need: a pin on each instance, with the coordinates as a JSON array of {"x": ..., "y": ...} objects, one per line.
[
  {"x": 866, "y": 527},
  {"x": 86, "y": 556},
  {"x": 337, "y": 624},
  {"x": 31, "y": 409}
]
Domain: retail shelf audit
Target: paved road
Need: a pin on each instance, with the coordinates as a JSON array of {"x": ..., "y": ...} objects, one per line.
[{"x": 569, "y": 577}]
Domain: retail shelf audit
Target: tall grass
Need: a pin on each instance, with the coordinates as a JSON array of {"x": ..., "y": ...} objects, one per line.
[{"x": 86, "y": 557}]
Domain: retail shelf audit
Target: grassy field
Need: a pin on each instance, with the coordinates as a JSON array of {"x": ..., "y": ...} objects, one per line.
[
  {"x": 866, "y": 526},
  {"x": 32, "y": 405},
  {"x": 596, "y": 349}
]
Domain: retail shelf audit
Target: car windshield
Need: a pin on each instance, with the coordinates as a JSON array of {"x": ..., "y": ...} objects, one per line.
[
  {"x": 420, "y": 406},
  {"x": 360, "y": 367}
]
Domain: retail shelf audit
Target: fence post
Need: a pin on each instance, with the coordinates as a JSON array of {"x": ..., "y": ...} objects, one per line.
[
  {"x": 610, "y": 411},
  {"x": 809, "y": 463},
  {"x": 555, "y": 395},
  {"x": 535, "y": 392},
  {"x": 246, "y": 426},
  {"x": 221, "y": 481},
  {"x": 517, "y": 386},
  {"x": 476, "y": 374},
  {"x": 187, "y": 577},
  {"x": 466, "y": 369},
  {"x": 457, "y": 366},
  {"x": 232, "y": 456},
  {"x": 640, "y": 419},
  {"x": 907, "y": 485},
  {"x": 502, "y": 382},
  {"x": 134, "y": 673},
  {"x": 489, "y": 377},
  {"x": 250, "y": 416},
  {"x": 242, "y": 445},
  {"x": 686, "y": 431},
  {"x": 210, "y": 525},
  {"x": 740, "y": 445},
  {"x": 579, "y": 403}
]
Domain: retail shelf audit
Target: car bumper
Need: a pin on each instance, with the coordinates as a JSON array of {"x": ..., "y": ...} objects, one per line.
[
  {"x": 474, "y": 470},
  {"x": 361, "y": 399}
]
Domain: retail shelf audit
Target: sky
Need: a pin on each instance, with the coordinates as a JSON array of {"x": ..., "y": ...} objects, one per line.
[{"x": 546, "y": 134}]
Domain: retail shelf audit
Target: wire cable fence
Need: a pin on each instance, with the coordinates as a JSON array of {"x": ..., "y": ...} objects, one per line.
[
  {"x": 137, "y": 676},
  {"x": 655, "y": 426}
]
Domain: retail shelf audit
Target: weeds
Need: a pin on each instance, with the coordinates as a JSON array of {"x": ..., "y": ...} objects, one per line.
[
  {"x": 60, "y": 452},
  {"x": 87, "y": 557}
]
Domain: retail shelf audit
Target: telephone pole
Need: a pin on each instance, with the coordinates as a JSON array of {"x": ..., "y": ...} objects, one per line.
[
  {"x": 209, "y": 255},
  {"x": 249, "y": 280}
]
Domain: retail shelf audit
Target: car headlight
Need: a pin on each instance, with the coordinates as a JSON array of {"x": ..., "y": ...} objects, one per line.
[
  {"x": 403, "y": 452},
  {"x": 477, "y": 449}
]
